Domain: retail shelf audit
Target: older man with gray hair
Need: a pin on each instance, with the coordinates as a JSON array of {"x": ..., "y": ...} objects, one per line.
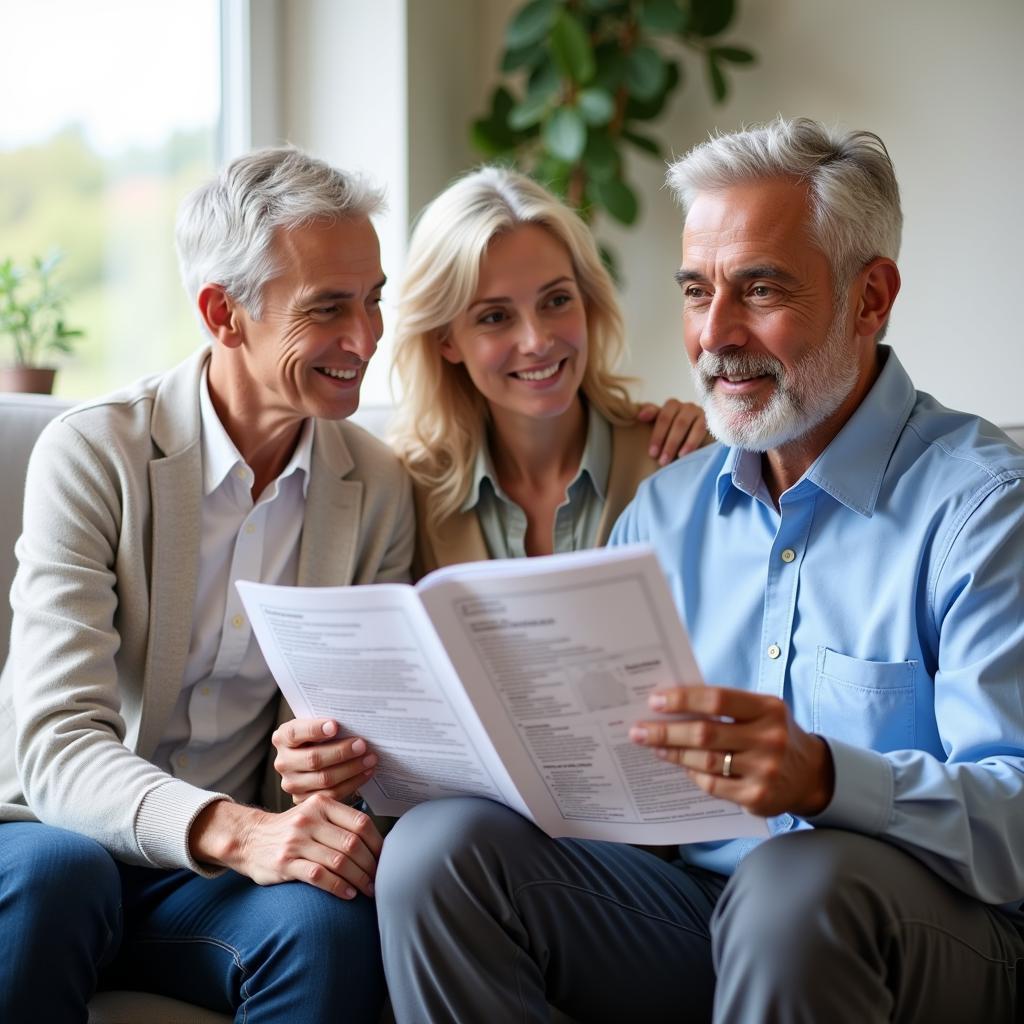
[
  {"x": 849, "y": 561},
  {"x": 144, "y": 831}
]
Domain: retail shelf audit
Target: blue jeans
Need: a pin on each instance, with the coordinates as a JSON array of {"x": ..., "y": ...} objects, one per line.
[{"x": 72, "y": 919}]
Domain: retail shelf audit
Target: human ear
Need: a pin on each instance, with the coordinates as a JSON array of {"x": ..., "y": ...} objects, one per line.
[
  {"x": 447, "y": 347},
  {"x": 879, "y": 285},
  {"x": 219, "y": 314}
]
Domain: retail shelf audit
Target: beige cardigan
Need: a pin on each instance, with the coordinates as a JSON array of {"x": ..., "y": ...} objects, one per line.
[
  {"x": 103, "y": 598},
  {"x": 460, "y": 539}
]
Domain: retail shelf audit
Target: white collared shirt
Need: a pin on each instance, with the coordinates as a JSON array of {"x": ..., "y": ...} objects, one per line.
[{"x": 217, "y": 737}]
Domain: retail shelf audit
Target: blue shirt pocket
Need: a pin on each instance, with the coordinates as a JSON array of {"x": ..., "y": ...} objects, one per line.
[{"x": 866, "y": 703}]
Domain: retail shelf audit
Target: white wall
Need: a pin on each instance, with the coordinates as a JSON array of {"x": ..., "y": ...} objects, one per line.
[
  {"x": 341, "y": 69},
  {"x": 939, "y": 80}
]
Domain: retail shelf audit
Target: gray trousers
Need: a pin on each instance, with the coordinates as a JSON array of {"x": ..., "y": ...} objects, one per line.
[{"x": 484, "y": 919}]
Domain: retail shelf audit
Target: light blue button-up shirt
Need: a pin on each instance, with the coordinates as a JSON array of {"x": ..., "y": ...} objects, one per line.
[{"x": 884, "y": 601}]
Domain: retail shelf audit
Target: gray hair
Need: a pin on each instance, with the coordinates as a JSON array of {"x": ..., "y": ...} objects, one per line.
[
  {"x": 855, "y": 201},
  {"x": 226, "y": 227}
]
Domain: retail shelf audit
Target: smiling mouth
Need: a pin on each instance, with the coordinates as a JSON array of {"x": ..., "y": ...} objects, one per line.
[
  {"x": 738, "y": 378},
  {"x": 543, "y": 374},
  {"x": 336, "y": 373}
]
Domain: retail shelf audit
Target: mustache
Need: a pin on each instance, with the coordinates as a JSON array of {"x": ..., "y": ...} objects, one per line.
[{"x": 737, "y": 364}]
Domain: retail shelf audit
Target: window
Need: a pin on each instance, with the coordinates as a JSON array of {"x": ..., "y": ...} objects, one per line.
[{"x": 103, "y": 140}]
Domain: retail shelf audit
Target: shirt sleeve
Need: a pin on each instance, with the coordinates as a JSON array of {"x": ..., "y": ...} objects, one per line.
[{"x": 964, "y": 816}]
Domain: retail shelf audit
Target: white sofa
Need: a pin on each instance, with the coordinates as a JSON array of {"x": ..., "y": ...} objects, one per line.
[{"x": 22, "y": 417}]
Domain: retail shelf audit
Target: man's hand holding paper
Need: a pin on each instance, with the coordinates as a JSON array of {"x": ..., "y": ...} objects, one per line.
[{"x": 741, "y": 746}]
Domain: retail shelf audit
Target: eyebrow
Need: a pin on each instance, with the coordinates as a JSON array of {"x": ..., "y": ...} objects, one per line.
[
  {"x": 766, "y": 271},
  {"x": 506, "y": 298},
  {"x": 336, "y": 295}
]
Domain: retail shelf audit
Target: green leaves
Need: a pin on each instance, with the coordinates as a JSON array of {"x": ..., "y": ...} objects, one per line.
[
  {"x": 716, "y": 56},
  {"x": 710, "y": 17},
  {"x": 597, "y": 106},
  {"x": 601, "y": 157},
  {"x": 565, "y": 134},
  {"x": 719, "y": 86},
  {"x": 663, "y": 16},
  {"x": 646, "y": 73},
  {"x": 32, "y": 309},
  {"x": 498, "y": 134},
  {"x": 646, "y": 109},
  {"x": 571, "y": 48},
  {"x": 584, "y": 77},
  {"x": 733, "y": 54},
  {"x": 530, "y": 112},
  {"x": 531, "y": 24},
  {"x": 644, "y": 142},
  {"x": 618, "y": 199}
]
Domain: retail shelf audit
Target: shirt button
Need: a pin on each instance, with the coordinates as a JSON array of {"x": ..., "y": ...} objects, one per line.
[
  {"x": 205, "y": 691},
  {"x": 240, "y": 473},
  {"x": 788, "y": 555},
  {"x": 238, "y": 622},
  {"x": 774, "y": 650},
  {"x": 183, "y": 760},
  {"x": 250, "y": 528}
]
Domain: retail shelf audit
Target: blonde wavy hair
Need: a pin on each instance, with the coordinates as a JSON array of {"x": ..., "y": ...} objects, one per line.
[{"x": 442, "y": 419}]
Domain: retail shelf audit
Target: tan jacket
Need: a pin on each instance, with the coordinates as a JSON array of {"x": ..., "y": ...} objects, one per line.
[
  {"x": 460, "y": 539},
  {"x": 103, "y": 598}
]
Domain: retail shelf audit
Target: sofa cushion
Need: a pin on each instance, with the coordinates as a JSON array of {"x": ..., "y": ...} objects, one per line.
[
  {"x": 145, "y": 1008},
  {"x": 22, "y": 418}
]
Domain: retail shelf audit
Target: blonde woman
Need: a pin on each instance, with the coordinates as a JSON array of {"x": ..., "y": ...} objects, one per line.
[{"x": 520, "y": 437}]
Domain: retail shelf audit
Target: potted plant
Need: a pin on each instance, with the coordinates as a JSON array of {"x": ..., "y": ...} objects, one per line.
[{"x": 32, "y": 318}]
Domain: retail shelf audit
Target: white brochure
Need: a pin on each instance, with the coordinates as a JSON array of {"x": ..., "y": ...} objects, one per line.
[{"x": 512, "y": 679}]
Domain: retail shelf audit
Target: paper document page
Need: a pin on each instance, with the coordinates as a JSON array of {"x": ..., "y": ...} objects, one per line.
[
  {"x": 369, "y": 658},
  {"x": 558, "y": 656}
]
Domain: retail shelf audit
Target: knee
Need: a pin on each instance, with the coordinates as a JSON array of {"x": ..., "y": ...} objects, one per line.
[
  {"x": 299, "y": 925},
  {"x": 306, "y": 924},
  {"x": 798, "y": 891},
  {"x": 61, "y": 873},
  {"x": 441, "y": 845},
  {"x": 60, "y": 893}
]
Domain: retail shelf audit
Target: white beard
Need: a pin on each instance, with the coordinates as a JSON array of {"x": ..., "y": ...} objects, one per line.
[{"x": 802, "y": 398}]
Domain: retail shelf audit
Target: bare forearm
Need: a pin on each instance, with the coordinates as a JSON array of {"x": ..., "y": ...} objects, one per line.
[
  {"x": 321, "y": 842},
  {"x": 218, "y": 834}
]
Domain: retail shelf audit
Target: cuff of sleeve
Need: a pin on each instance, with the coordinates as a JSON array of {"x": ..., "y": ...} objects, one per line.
[
  {"x": 163, "y": 822},
  {"x": 863, "y": 797}
]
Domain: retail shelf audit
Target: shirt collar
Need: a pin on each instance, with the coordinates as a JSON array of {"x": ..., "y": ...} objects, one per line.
[
  {"x": 483, "y": 469},
  {"x": 597, "y": 452},
  {"x": 852, "y": 466},
  {"x": 221, "y": 456},
  {"x": 596, "y": 462}
]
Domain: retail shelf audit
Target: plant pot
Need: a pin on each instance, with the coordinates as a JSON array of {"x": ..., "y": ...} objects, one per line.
[{"x": 36, "y": 380}]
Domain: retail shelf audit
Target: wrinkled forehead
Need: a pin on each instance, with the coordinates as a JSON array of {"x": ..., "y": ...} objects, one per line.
[
  {"x": 343, "y": 250},
  {"x": 763, "y": 222}
]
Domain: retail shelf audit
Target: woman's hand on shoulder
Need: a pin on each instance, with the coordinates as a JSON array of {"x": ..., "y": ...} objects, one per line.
[{"x": 678, "y": 428}]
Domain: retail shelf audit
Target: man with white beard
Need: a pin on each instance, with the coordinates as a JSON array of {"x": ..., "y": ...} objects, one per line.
[{"x": 849, "y": 562}]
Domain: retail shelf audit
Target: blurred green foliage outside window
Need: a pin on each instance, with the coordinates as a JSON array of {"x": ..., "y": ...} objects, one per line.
[{"x": 94, "y": 160}]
